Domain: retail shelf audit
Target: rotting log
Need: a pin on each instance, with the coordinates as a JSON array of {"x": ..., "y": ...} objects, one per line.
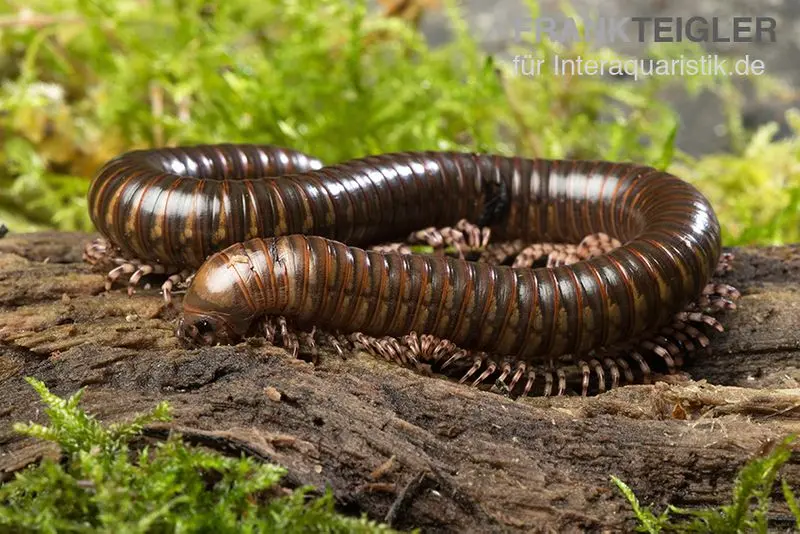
[{"x": 415, "y": 450}]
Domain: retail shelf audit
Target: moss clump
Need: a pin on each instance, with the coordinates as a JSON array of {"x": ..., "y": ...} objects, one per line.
[
  {"x": 747, "y": 511},
  {"x": 105, "y": 486}
]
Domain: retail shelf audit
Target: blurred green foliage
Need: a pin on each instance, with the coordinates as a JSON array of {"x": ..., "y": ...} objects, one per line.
[
  {"x": 82, "y": 81},
  {"x": 756, "y": 192}
]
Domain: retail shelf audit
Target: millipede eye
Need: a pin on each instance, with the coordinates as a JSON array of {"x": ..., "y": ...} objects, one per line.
[{"x": 204, "y": 326}]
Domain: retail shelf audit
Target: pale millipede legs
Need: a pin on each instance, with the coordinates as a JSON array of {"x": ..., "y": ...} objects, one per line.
[
  {"x": 597, "y": 371},
  {"x": 102, "y": 255},
  {"x": 671, "y": 344}
]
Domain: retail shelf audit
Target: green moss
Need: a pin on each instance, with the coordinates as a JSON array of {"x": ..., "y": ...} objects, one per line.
[
  {"x": 105, "y": 486},
  {"x": 320, "y": 76},
  {"x": 83, "y": 81},
  {"x": 747, "y": 511},
  {"x": 756, "y": 193}
]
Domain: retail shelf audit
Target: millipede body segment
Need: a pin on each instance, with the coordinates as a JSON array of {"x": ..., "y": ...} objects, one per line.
[{"x": 282, "y": 230}]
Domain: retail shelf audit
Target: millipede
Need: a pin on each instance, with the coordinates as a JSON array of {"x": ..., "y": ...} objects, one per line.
[{"x": 274, "y": 239}]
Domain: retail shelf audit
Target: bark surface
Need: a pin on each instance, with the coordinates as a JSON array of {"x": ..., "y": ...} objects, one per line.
[{"x": 417, "y": 451}]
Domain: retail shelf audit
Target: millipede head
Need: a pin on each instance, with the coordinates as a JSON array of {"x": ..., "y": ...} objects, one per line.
[
  {"x": 206, "y": 329},
  {"x": 215, "y": 306}
]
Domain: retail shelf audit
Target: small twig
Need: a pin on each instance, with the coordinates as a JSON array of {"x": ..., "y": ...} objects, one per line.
[
  {"x": 782, "y": 412},
  {"x": 408, "y": 10},
  {"x": 383, "y": 469},
  {"x": 519, "y": 118},
  {"x": 28, "y": 19},
  {"x": 184, "y": 109},
  {"x": 406, "y": 496},
  {"x": 157, "y": 109}
]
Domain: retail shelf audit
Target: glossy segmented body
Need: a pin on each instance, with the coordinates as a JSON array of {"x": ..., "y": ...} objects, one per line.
[
  {"x": 176, "y": 206},
  {"x": 281, "y": 232},
  {"x": 671, "y": 236}
]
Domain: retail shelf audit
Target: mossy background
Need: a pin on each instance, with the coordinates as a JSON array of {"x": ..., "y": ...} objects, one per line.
[{"x": 82, "y": 81}]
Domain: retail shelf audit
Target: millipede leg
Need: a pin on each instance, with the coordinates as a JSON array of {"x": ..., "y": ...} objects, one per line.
[
  {"x": 306, "y": 339},
  {"x": 692, "y": 332},
  {"x": 592, "y": 245},
  {"x": 116, "y": 272},
  {"x": 490, "y": 369},
  {"x": 562, "y": 381},
  {"x": 99, "y": 252},
  {"x": 532, "y": 253},
  {"x": 411, "y": 349},
  {"x": 614, "y": 370},
  {"x": 643, "y": 367},
  {"x": 413, "y": 343},
  {"x": 601, "y": 377},
  {"x": 596, "y": 244},
  {"x": 725, "y": 263},
  {"x": 397, "y": 351},
  {"x": 697, "y": 317},
  {"x": 431, "y": 236},
  {"x": 454, "y": 238},
  {"x": 661, "y": 351},
  {"x": 563, "y": 255},
  {"x": 626, "y": 370},
  {"x": 335, "y": 342},
  {"x": 269, "y": 327},
  {"x": 716, "y": 297},
  {"x": 143, "y": 270},
  {"x": 680, "y": 337},
  {"x": 428, "y": 348},
  {"x": 173, "y": 280},
  {"x": 499, "y": 253},
  {"x": 459, "y": 355},
  {"x": 303, "y": 342},
  {"x": 548, "y": 383},
  {"x": 288, "y": 337},
  {"x": 338, "y": 342},
  {"x": 400, "y": 248},
  {"x": 477, "y": 237},
  {"x": 557, "y": 253},
  {"x": 520, "y": 370},
  {"x": 464, "y": 236},
  {"x": 585, "y": 371},
  {"x": 529, "y": 383},
  {"x": 506, "y": 370},
  {"x": 472, "y": 370},
  {"x": 386, "y": 348}
]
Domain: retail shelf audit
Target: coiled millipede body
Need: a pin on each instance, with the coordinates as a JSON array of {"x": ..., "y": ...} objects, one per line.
[{"x": 282, "y": 230}]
